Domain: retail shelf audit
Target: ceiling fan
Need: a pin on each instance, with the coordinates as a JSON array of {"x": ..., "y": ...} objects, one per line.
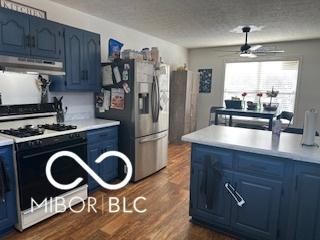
[{"x": 252, "y": 51}]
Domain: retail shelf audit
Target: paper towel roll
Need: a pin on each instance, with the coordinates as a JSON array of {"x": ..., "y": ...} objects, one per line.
[{"x": 309, "y": 127}]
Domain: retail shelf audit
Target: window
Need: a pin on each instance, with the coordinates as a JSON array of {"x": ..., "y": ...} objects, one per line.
[{"x": 253, "y": 77}]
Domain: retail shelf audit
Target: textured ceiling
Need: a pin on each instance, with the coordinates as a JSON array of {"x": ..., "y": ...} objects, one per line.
[{"x": 203, "y": 23}]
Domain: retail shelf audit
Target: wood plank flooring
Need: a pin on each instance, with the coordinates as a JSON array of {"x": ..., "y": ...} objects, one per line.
[{"x": 167, "y": 204}]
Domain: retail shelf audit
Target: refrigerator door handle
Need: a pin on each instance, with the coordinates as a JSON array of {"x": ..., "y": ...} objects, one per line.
[
  {"x": 154, "y": 99},
  {"x": 150, "y": 139},
  {"x": 158, "y": 98}
]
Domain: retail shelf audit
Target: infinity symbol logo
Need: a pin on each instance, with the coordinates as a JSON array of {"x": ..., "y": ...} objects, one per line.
[{"x": 76, "y": 182}]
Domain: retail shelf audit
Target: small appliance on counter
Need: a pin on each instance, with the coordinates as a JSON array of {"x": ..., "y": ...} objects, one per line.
[{"x": 37, "y": 136}]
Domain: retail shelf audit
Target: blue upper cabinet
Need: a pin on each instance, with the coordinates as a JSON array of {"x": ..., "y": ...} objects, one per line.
[
  {"x": 82, "y": 62},
  {"x": 28, "y": 36},
  {"x": 46, "y": 38},
  {"x": 92, "y": 60},
  {"x": 14, "y": 33},
  {"x": 8, "y": 212},
  {"x": 74, "y": 53}
]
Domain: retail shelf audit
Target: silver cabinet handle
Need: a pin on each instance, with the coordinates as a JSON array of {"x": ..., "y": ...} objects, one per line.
[{"x": 239, "y": 200}]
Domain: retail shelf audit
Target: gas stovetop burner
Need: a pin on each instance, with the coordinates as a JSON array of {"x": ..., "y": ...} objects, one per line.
[
  {"x": 57, "y": 127},
  {"x": 26, "y": 131}
]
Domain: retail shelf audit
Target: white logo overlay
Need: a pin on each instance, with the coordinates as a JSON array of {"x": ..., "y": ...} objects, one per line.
[
  {"x": 76, "y": 182},
  {"x": 60, "y": 204}
]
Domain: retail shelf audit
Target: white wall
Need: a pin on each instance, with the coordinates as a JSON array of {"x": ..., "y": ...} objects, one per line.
[
  {"x": 81, "y": 103},
  {"x": 309, "y": 77}
]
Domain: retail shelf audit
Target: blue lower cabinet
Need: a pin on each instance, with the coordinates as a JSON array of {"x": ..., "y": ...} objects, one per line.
[
  {"x": 305, "y": 204},
  {"x": 8, "y": 211},
  {"x": 209, "y": 200},
  {"x": 258, "y": 216},
  {"x": 94, "y": 152},
  {"x": 109, "y": 167},
  {"x": 100, "y": 141},
  {"x": 222, "y": 178}
]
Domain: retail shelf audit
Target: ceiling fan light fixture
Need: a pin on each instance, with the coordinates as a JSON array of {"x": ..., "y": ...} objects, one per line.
[{"x": 248, "y": 55}]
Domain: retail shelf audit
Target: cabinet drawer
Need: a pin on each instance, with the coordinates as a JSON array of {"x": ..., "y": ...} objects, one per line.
[
  {"x": 260, "y": 164},
  {"x": 103, "y": 134},
  {"x": 223, "y": 156}
]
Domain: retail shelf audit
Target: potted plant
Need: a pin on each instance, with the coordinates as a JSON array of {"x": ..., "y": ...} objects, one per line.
[
  {"x": 271, "y": 94},
  {"x": 259, "y": 95}
]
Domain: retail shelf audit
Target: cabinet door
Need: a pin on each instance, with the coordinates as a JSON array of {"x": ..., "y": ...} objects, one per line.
[
  {"x": 8, "y": 213},
  {"x": 258, "y": 217},
  {"x": 75, "y": 74},
  {"x": 305, "y": 209},
  {"x": 217, "y": 211},
  {"x": 92, "y": 61},
  {"x": 14, "y": 31},
  {"x": 94, "y": 152},
  {"x": 109, "y": 167},
  {"x": 46, "y": 39}
]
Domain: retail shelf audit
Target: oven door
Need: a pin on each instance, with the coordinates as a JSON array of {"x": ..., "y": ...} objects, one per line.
[{"x": 32, "y": 179}]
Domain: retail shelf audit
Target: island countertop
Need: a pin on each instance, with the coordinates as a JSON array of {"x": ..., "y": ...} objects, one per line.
[{"x": 256, "y": 141}]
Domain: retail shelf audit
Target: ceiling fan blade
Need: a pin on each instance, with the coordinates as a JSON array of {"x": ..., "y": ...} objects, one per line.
[
  {"x": 255, "y": 47},
  {"x": 230, "y": 51}
]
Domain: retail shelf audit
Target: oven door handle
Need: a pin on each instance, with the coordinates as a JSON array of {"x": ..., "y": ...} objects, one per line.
[{"x": 52, "y": 150}]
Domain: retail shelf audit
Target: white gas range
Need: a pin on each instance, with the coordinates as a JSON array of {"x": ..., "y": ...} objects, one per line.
[{"x": 37, "y": 136}]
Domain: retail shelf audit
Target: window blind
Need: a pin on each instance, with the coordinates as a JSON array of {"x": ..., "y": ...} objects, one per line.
[{"x": 253, "y": 77}]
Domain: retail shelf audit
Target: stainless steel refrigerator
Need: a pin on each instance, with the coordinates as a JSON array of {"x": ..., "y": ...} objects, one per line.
[{"x": 144, "y": 119}]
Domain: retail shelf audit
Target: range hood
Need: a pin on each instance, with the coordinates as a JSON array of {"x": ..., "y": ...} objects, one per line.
[{"x": 30, "y": 65}]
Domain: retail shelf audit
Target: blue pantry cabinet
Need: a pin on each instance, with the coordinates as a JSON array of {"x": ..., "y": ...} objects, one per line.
[
  {"x": 100, "y": 141},
  {"x": 8, "y": 212},
  {"x": 28, "y": 36}
]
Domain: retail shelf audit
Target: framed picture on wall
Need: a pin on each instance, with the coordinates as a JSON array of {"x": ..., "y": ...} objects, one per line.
[{"x": 205, "y": 80}]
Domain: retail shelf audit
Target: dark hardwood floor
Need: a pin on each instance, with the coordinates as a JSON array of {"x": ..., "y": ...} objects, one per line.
[{"x": 167, "y": 204}]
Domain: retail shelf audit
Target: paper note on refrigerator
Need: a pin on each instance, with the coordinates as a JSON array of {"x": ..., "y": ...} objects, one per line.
[
  {"x": 107, "y": 75},
  {"x": 106, "y": 102},
  {"x": 117, "y": 98}
]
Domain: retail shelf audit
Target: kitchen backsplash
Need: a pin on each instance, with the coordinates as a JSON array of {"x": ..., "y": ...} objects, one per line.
[{"x": 17, "y": 88}]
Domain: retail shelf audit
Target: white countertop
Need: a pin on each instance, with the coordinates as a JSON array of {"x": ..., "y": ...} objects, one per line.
[
  {"x": 92, "y": 123},
  {"x": 5, "y": 141},
  {"x": 256, "y": 141}
]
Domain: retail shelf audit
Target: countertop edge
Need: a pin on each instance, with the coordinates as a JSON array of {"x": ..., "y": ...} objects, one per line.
[
  {"x": 287, "y": 155},
  {"x": 6, "y": 142},
  {"x": 104, "y": 125}
]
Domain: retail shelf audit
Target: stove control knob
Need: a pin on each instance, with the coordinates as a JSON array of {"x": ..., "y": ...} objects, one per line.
[
  {"x": 71, "y": 135},
  {"x": 38, "y": 142},
  {"x": 31, "y": 143},
  {"x": 77, "y": 135}
]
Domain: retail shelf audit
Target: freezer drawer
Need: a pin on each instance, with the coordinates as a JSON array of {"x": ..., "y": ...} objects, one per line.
[{"x": 151, "y": 154}]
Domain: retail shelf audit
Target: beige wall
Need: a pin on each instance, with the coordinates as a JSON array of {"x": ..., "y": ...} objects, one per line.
[{"x": 309, "y": 76}]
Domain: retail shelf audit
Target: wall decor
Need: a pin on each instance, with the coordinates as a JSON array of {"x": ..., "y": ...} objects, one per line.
[
  {"x": 19, "y": 7},
  {"x": 205, "y": 80}
]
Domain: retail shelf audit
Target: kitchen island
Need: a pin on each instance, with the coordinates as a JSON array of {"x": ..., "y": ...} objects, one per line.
[{"x": 245, "y": 183}]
